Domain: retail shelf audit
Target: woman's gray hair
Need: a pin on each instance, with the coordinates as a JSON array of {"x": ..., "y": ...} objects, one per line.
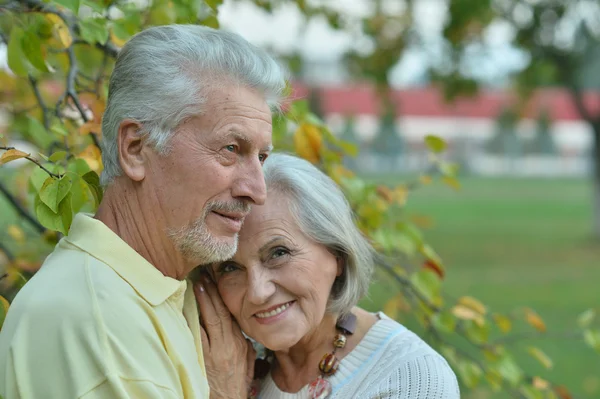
[
  {"x": 163, "y": 75},
  {"x": 324, "y": 215}
]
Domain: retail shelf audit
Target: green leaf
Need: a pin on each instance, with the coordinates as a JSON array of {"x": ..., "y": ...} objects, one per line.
[
  {"x": 32, "y": 47},
  {"x": 214, "y": 4},
  {"x": 299, "y": 110},
  {"x": 469, "y": 372},
  {"x": 38, "y": 133},
  {"x": 79, "y": 193},
  {"x": 427, "y": 283},
  {"x": 478, "y": 332},
  {"x": 78, "y": 166},
  {"x": 60, "y": 221},
  {"x": 540, "y": 356},
  {"x": 586, "y": 318},
  {"x": 54, "y": 191},
  {"x": 94, "y": 30},
  {"x": 38, "y": 178},
  {"x": 211, "y": 21},
  {"x": 15, "y": 56},
  {"x": 97, "y": 6},
  {"x": 72, "y": 5},
  {"x": 444, "y": 321},
  {"x": 531, "y": 393},
  {"x": 592, "y": 338},
  {"x": 59, "y": 129},
  {"x": 508, "y": 369},
  {"x": 58, "y": 156},
  {"x": 435, "y": 143},
  {"x": 449, "y": 169},
  {"x": 93, "y": 181}
]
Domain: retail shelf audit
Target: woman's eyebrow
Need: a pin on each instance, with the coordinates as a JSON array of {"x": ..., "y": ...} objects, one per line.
[{"x": 270, "y": 243}]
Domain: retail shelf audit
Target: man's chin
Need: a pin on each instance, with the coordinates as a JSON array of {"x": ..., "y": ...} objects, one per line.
[{"x": 218, "y": 250}]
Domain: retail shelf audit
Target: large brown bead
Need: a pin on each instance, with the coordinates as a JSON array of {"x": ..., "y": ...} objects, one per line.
[
  {"x": 329, "y": 364},
  {"x": 339, "y": 341}
]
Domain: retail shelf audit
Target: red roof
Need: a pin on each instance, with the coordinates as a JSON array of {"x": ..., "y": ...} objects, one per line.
[{"x": 429, "y": 102}]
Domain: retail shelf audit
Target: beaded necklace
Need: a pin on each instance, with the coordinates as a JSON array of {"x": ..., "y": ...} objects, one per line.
[{"x": 320, "y": 388}]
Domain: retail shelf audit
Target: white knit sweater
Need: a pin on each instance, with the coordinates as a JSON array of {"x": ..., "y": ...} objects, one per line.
[{"x": 390, "y": 362}]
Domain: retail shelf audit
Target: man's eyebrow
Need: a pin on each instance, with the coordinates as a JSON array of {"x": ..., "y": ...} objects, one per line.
[{"x": 236, "y": 134}]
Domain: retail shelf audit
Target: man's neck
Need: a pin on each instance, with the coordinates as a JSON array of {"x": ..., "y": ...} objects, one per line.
[{"x": 139, "y": 225}]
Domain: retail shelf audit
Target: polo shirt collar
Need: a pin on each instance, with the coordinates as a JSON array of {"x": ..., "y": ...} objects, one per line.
[{"x": 95, "y": 238}]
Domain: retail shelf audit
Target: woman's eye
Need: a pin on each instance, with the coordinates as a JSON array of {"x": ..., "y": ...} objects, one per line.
[
  {"x": 227, "y": 268},
  {"x": 279, "y": 252}
]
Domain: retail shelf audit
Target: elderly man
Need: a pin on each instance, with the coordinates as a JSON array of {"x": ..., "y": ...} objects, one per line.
[{"x": 111, "y": 314}]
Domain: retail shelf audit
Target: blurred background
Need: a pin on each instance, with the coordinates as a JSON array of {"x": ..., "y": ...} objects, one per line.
[
  {"x": 513, "y": 87},
  {"x": 522, "y": 230}
]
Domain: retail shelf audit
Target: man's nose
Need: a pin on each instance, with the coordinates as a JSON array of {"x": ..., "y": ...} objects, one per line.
[{"x": 251, "y": 186}]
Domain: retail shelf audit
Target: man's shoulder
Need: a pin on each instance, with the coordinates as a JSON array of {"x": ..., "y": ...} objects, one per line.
[{"x": 70, "y": 290}]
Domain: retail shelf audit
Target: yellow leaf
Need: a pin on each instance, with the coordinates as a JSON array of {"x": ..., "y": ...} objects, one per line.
[
  {"x": 473, "y": 304},
  {"x": 90, "y": 127},
  {"x": 540, "y": 356},
  {"x": 16, "y": 233},
  {"x": 91, "y": 154},
  {"x": 4, "y": 305},
  {"x": 503, "y": 322},
  {"x": 308, "y": 142},
  {"x": 116, "y": 39},
  {"x": 425, "y": 180},
  {"x": 60, "y": 30},
  {"x": 535, "y": 320},
  {"x": 338, "y": 172},
  {"x": 12, "y": 155},
  {"x": 393, "y": 307},
  {"x": 466, "y": 313},
  {"x": 400, "y": 194},
  {"x": 540, "y": 383},
  {"x": 452, "y": 182}
]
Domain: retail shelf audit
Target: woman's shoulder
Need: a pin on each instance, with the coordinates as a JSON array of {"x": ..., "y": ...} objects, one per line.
[
  {"x": 397, "y": 361},
  {"x": 395, "y": 340}
]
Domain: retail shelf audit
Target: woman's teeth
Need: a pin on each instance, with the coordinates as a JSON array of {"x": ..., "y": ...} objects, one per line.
[{"x": 274, "y": 312}]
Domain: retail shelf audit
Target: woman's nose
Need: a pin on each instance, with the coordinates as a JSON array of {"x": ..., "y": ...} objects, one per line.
[{"x": 260, "y": 287}]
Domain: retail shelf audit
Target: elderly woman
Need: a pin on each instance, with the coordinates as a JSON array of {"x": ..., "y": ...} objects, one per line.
[{"x": 300, "y": 268}]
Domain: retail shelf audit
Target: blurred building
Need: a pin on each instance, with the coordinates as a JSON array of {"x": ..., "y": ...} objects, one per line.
[{"x": 548, "y": 136}]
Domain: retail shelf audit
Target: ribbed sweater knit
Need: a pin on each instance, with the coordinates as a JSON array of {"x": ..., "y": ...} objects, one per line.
[{"x": 390, "y": 362}]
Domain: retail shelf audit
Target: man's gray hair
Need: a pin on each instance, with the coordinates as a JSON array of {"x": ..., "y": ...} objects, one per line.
[
  {"x": 163, "y": 75},
  {"x": 324, "y": 215}
]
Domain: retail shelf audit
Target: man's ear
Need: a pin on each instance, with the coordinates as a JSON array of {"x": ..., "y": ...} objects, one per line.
[{"x": 131, "y": 144}]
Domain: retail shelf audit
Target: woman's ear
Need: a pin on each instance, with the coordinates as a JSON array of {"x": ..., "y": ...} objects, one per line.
[
  {"x": 130, "y": 146},
  {"x": 341, "y": 263}
]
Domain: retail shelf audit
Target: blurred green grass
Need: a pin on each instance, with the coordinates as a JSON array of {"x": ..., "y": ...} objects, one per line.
[{"x": 514, "y": 243}]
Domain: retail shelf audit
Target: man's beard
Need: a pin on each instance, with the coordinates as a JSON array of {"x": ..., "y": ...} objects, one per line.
[{"x": 195, "y": 242}]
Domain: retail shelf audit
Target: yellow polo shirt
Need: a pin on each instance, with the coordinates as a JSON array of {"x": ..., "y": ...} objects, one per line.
[{"x": 99, "y": 321}]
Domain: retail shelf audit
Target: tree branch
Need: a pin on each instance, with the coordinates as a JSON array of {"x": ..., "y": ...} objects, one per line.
[
  {"x": 35, "y": 161},
  {"x": 40, "y": 101},
  {"x": 21, "y": 210}
]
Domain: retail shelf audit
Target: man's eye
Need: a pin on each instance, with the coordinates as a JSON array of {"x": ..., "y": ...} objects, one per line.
[
  {"x": 262, "y": 157},
  {"x": 231, "y": 148}
]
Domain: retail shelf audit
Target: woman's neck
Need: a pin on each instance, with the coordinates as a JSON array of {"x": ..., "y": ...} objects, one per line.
[{"x": 299, "y": 365}]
